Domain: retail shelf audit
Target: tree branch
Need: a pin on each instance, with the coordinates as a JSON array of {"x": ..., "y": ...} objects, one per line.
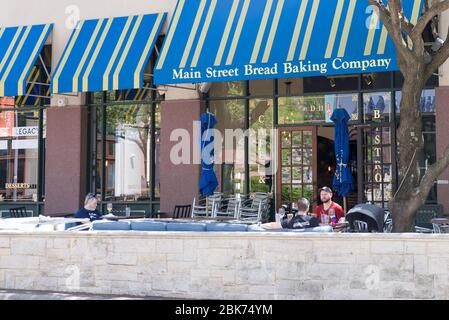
[
  {"x": 438, "y": 59},
  {"x": 433, "y": 11},
  {"x": 433, "y": 173},
  {"x": 392, "y": 22}
]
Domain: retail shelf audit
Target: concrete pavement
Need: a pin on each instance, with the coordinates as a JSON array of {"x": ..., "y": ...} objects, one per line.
[{"x": 45, "y": 295}]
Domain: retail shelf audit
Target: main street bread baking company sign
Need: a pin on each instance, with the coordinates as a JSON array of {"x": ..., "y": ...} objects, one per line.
[{"x": 232, "y": 40}]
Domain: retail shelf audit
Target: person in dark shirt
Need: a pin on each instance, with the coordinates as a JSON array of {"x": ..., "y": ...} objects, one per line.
[
  {"x": 302, "y": 219},
  {"x": 90, "y": 209}
]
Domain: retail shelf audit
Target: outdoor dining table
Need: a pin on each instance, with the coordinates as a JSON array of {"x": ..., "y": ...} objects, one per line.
[
  {"x": 36, "y": 222},
  {"x": 341, "y": 227},
  {"x": 440, "y": 221}
]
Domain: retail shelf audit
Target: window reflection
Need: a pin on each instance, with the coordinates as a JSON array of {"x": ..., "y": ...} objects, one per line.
[
  {"x": 227, "y": 89},
  {"x": 261, "y": 153},
  {"x": 313, "y": 109},
  {"x": 231, "y": 161},
  {"x": 426, "y": 104},
  {"x": 19, "y": 152},
  {"x": 128, "y": 153},
  {"x": 377, "y": 107}
]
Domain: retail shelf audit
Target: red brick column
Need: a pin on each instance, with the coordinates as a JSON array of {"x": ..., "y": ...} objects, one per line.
[
  {"x": 179, "y": 183},
  {"x": 442, "y": 124},
  {"x": 66, "y": 159}
]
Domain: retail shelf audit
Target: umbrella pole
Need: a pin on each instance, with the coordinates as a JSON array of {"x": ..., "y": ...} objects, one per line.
[
  {"x": 345, "y": 205},
  {"x": 207, "y": 207}
]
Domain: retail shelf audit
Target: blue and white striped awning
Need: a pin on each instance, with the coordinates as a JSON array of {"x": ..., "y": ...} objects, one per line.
[
  {"x": 19, "y": 49},
  {"x": 107, "y": 54},
  {"x": 228, "y": 40}
]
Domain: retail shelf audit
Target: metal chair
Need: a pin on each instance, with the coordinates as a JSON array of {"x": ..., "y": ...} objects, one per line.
[
  {"x": 426, "y": 214},
  {"x": 230, "y": 208},
  {"x": 255, "y": 209},
  {"x": 360, "y": 226},
  {"x": 182, "y": 212},
  {"x": 207, "y": 207},
  {"x": 388, "y": 222},
  {"x": 18, "y": 212}
]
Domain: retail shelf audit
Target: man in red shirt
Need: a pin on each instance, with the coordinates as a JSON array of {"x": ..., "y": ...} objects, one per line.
[{"x": 328, "y": 207}]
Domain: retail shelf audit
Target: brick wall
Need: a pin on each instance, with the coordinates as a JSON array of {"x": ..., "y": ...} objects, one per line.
[{"x": 228, "y": 266}]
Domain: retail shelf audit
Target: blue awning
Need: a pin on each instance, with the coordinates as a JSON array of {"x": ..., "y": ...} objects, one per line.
[
  {"x": 19, "y": 49},
  {"x": 107, "y": 54},
  {"x": 212, "y": 40}
]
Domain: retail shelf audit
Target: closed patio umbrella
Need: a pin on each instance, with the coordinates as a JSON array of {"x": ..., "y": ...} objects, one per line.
[
  {"x": 343, "y": 182},
  {"x": 208, "y": 179}
]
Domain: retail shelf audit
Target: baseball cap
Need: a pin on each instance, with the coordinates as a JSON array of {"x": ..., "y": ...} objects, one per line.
[{"x": 326, "y": 189}]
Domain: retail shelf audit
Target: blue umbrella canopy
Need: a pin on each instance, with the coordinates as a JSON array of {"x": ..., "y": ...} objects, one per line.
[
  {"x": 343, "y": 183},
  {"x": 208, "y": 179}
]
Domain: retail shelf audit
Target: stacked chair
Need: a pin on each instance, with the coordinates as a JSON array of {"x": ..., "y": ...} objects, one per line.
[
  {"x": 255, "y": 209},
  {"x": 206, "y": 207}
]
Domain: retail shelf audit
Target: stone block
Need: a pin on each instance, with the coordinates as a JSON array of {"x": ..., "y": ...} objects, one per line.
[
  {"x": 60, "y": 243},
  {"x": 30, "y": 247},
  {"x": 387, "y": 247},
  {"x": 438, "y": 265},
  {"x": 19, "y": 262},
  {"x": 420, "y": 264},
  {"x": 416, "y": 248},
  {"x": 169, "y": 246},
  {"x": 122, "y": 259},
  {"x": 4, "y": 242}
]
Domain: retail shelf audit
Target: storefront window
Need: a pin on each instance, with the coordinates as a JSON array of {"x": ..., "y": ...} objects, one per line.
[
  {"x": 310, "y": 102},
  {"x": 261, "y": 154},
  {"x": 259, "y": 88},
  {"x": 426, "y": 105},
  {"x": 19, "y": 154},
  {"x": 128, "y": 149},
  {"x": 313, "y": 109},
  {"x": 428, "y": 155},
  {"x": 228, "y": 89},
  {"x": 230, "y": 163},
  {"x": 301, "y": 110},
  {"x": 127, "y": 164},
  {"x": 291, "y": 87},
  {"x": 157, "y": 151},
  {"x": 376, "y": 81},
  {"x": 377, "y": 107},
  {"x": 378, "y": 169},
  {"x": 331, "y": 84}
]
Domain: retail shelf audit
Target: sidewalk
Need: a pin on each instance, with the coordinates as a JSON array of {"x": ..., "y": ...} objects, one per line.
[{"x": 45, "y": 295}]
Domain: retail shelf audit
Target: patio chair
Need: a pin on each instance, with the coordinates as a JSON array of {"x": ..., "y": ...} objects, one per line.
[
  {"x": 426, "y": 214},
  {"x": 207, "y": 206},
  {"x": 255, "y": 209},
  {"x": 388, "y": 222},
  {"x": 229, "y": 208},
  {"x": 18, "y": 212},
  {"x": 440, "y": 228},
  {"x": 360, "y": 226},
  {"x": 182, "y": 212}
]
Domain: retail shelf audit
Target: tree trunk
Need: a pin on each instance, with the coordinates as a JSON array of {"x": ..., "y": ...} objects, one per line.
[{"x": 407, "y": 201}]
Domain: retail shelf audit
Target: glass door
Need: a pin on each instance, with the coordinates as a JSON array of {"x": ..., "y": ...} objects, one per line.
[{"x": 297, "y": 160}]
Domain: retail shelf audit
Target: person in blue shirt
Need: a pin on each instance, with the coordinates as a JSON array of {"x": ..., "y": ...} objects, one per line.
[{"x": 90, "y": 209}]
